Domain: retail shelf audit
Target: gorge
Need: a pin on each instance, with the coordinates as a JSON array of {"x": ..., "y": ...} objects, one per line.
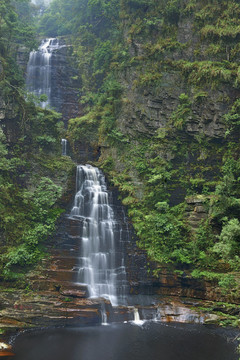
[{"x": 140, "y": 94}]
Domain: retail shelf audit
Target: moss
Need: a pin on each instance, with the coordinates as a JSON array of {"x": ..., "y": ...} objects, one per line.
[{"x": 225, "y": 311}]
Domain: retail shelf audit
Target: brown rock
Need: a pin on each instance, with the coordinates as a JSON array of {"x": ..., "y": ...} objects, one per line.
[{"x": 73, "y": 293}]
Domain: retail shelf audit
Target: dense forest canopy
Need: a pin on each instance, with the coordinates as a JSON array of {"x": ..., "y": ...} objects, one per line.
[{"x": 133, "y": 55}]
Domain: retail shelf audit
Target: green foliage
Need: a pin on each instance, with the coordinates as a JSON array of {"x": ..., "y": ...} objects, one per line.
[
  {"x": 84, "y": 128},
  {"x": 102, "y": 56},
  {"x": 136, "y": 4},
  {"x": 28, "y": 210},
  {"x": 63, "y": 17},
  {"x": 46, "y": 194},
  {"x": 163, "y": 46},
  {"x": 162, "y": 235},
  {"x": 225, "y": 25},
  {"x": 232, "y": 118},
  {"x": 149, "y": 78},
  {"x": 172, "y": 11},
  {"x": 229, "y": 245},
  {"x": 3, "y": 148},
  {"x": 37, "y": 225},
  {"x": 207, "y": 72},
  {"x": 45, "y": 141},
  {"x": 226, "y": 203},
  {"x": 227, "y": 283},
  {"x": 56, "y": 18},
  {"x": 16, "y": 26},
  {"x": 100, "y": 121},
  {"x": 183, "y": 111}
]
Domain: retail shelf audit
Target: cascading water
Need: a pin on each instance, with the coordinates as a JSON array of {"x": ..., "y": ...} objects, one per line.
[
  {"x": 64, "y": 147},
  {"x": 39, "y": 70},
  {"x": 137, "y": 320},
  {"x": 101, "y": 265},
  {"x": 41, "y": 2}
]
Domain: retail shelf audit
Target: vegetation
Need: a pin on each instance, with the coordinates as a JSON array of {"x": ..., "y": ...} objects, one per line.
[
  {"x": 28, "y": 134},
  {"x": 28, "y": 192}
]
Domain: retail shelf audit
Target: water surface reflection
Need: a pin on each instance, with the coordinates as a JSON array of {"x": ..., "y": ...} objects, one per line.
[{"x": 127, "y": 341}]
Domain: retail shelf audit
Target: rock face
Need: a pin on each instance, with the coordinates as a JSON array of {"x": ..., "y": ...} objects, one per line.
[
  {"x": 150, "y": 109},
  {"x": 196, "y": 211},
  {"x": 8, "y": 116},
  {"x": 65, "y": 83}
]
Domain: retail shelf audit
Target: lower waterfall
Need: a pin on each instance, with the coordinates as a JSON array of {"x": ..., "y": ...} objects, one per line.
[{"x": 101, "y": 264}]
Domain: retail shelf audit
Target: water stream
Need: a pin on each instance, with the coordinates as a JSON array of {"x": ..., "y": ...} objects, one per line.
[
  {"x": 101, "y": 262},
  {"x": 39, "y": 70},
  {"x": 64, "y": 147},
  {"x": 137, "y": 320}
]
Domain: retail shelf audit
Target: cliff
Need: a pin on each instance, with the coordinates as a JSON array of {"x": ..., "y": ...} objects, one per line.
[{"x": 162, "y": 105}]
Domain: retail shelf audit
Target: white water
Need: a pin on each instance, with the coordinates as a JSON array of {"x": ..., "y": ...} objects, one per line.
[
  {"x": 158, "y": 315},
  {"x": 137, "y": 320},
  {"x": 39, "y": 70},
  {"x": 64, "y": 147},
  {"x": 98, "y": 267},
  {"x": 41, "y": 2},
  {"x": 104, "y": 315}
]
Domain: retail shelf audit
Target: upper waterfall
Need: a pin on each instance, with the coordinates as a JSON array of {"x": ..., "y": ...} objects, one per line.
[
  {"x": 101, "y": 264},
  {"x": 39, "y": 70},
  {"x": 41, "y": 2}
]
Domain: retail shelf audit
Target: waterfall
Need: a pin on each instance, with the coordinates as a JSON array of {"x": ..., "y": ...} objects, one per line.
[
  {"x": 137, "y": 321},
  {"x": 64, "y": 147},
  {"x": 136, "y": 315},
  {"x": 157, "y": 316},
  {"x": 103, "y": 315},
  {"x": 41, "y": 2},
  {"x": 101, "y": 265},
  {"x": 39, "y": 70}
]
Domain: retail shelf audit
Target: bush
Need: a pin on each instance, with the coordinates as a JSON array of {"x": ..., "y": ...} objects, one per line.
[{"x": 229, "y": 245}]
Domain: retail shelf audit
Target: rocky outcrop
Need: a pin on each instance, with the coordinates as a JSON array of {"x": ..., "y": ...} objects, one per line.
[
  {"x": 65, "y": 83},
  {"x": 22, "y": 58},
  {"x": 196, "y": 211},
  {"x": 168, "y": 282},
  {"x": 6, "y": 350},
  {"x": 149, "y": 108}
]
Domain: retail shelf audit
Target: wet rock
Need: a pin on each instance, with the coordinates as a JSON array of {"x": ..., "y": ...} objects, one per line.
[
  {"x": 4, "y": 346},
  {"x": 6, "y": 354},
  {"x": 73, "y": 293},
  {"x": 196, "y": 212},
  {"x": 212, "y": 319},
  {"x": 65, "y": 91}
]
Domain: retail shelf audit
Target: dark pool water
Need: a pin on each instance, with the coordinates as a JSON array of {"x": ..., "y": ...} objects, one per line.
[{"x": 152, "y": 341}]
